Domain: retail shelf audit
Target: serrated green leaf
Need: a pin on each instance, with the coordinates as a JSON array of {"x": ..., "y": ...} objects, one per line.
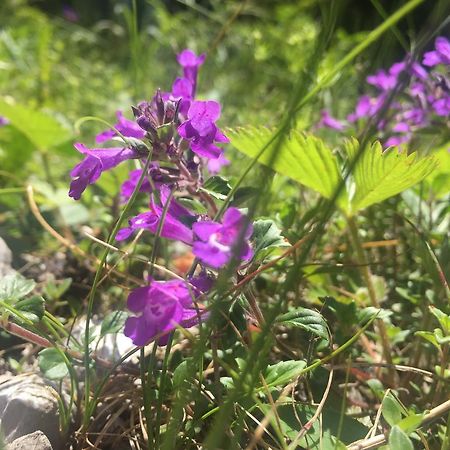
[
  {"x": 380, "y": 174},
  {"x": 43, "y": 130},
  {"x": 283, "y": 372},
  {"x": 266, "y": 235},
  {"x": 398, "y": 440},
  {"x": 113, "y": 322},
  {"x": 391, "y": 410},
  {"x": 217, "y": 187},
  {"x": 14, "y": 287},
  {"x": 305, "y": 159},
  {"x": 52, "y": 364},
  {"x": 306, "y": 319}
]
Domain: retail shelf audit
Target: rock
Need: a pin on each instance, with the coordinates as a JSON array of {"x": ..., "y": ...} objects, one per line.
[
  {"x": 33, "y": 441},
  {"x": 27, "y": 405},
  {"x": 5, "y": 259}
]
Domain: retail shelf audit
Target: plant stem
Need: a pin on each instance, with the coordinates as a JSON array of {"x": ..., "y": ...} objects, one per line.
[{"x": 367, "y": 276}]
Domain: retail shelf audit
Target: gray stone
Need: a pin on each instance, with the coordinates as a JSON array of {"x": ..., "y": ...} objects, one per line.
[
  {"x": 33, "y": 441},
  {"x": 28, "y": 404},
  {"x": 5, "y": 259}
]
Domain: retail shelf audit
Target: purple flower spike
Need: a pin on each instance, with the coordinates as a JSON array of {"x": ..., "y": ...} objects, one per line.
[
  {"x": 161, "y": 307},
  {"x": 125, "y": 126},
  {"x": 201, "y": 130},
  {"x": 216, "y": 241},
  {"x": 173, "y": 226},
  {"x": 95, "y": 162},
  {"x": 190, "y": 63},
  {"x": 441, "y": 54}
]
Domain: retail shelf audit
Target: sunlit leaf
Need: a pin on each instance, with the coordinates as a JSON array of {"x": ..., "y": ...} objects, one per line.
[
  {"x": 52, "y": 364},
  {"x": 306, "y": 319}
]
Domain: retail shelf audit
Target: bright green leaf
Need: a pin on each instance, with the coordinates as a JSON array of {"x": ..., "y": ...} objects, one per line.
[
  {"x": 32, "y": 308},
  {"x": 410, "y": 423},
  {"x": 43, "y": 130},
  {"x": 391, "y": 410},
  {"x": 217, "y": 187},
  {"x": 399, "y": 440},
  {"x": 14, "y": 287},
  {"x": 52, "y": 364},
  {"x": 266, "y": 235},
  {"x": 429, "y": 336},
  {"x": 380, "y": 174},
  {"x": 283, "y": 372},
  {"x": 306, "y": 319},
  {"x": 444, "y": 319},
  {"x": 305, "y": 159}
]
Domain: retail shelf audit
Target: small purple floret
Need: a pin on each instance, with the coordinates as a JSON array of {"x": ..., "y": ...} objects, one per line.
[
  {"x": 216, "y": 242},
  {"x": 126, "y": 127}
]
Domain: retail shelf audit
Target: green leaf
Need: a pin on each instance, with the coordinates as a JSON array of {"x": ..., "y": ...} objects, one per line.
[
  {"x": 429, "y": 336},
  {"x": 15, "y": 149},
  {"x": 266, "y": 235},
  {"x": 444, "y": 319},
  {"x": 411, "y": 422},
  {"x": 43, "y": 130},
  {"x": 243, "y": 194},
  {"x": 113, "y": 322},
  {"x": 305, "y": 159},
  {"x": 14, "y": 287},
  {"x": 306, "y": 319},
  {"x": 391, "y": 410},
  {"x": 180, "y": 374},
  {"x": 55, "y": 290},
  {"x": 217, "y": 187},
  {"x": 32, "y": 308},
  {"x": 398, "y": 440},
  {"x": 283, "y": 372},
  {"x": 52, "y": 364},
  {"x": 380, "y": 174}
]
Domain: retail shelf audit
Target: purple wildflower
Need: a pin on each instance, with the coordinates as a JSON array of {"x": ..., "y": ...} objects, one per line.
[
  {"x": 201, "y": 130},
  {"x": 214, "y": 165},
  {"x": 3, "y": 121},
  {"x": 161, "y": 307},
  {"x": 217, "y": 241},
  {"x": 125, "y": 126},
  {"x": 95, "y": 162},
  {"x": 190, "y": 63},
  {"x": 441, "y": 54},
  {"x": 174, "y": 226},
  {"x": 129, "y": 185},
  {"x": 330, "y": 122}
]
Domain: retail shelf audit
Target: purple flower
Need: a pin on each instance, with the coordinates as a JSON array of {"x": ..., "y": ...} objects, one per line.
[
  {"x": 174, "y": 226},
  {"x": 70, "y": 14},
  {"x": 129, "y": 185},
  {"x": 330, "y": 122},
  {"x": 182, "y": 91},
  {"x": 214, "y": 165},
  {"x": 201, "y": 130},
  {"x": 127, "y": 127},
  {"x": 3, "y": 121},
  {"x": 161, "y": 307},
  {"x": 441, "y": 106},
  {"x": 441, "y": 54},
  {"x": 95, "y": 162},
  {"x": 383, "y": 80},
  {"x": 217, "y": 242},
  {"x": 190, "y": 63}
]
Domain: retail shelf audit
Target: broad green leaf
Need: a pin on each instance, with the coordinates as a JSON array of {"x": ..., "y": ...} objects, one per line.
[
  {"x": 391, "y": 410},
  {"x": 306, "y": 319},
  {"x": 15, "y": 149},
  {"x": 411, "y": 422},
  {"x": 444, "y": 319},
  {"x": 217, "y": 187},
  {"x": 113, "y": 322},
  {"x": 305, "y": 159},
  {"x": 43, "y": 130},
  {"x": 399, "y": 440},
  {"x": 52, "y": 364},
  {"x": 379, "y": 175},
  {"x": 55, "y": 290},
  {"x": 14, "y": 287},
  {"x": 266, "y": 235},
  {"x": 283, "y": 372},
  {"x": 180, "y": 374},
  {"x": 429, "y": 336}
]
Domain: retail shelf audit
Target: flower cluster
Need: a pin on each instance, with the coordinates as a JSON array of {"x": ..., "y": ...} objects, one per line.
[
  {"x": 181, "y": 136},
  {"x": 425, "y": 100}
]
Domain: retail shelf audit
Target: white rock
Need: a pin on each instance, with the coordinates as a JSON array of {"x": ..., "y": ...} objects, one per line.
[
  {"x": 5, "y": 259},
  {"x": 33, "y": 441},
  {"x": 28, "y": 404}
]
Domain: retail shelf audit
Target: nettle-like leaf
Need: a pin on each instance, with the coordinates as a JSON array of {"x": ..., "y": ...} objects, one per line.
[
  {"x": 380, "y": 174},
  {"x": 305, "y": 159},
  {"x": 283, "y": 372},
  {"x": 217, "y": 187},
  {"x": 306, "y": 319},
  {"x": 266, "y": 236},
  {"x": 43, "y": 130},
  {"x": 14, "y": 287}
]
